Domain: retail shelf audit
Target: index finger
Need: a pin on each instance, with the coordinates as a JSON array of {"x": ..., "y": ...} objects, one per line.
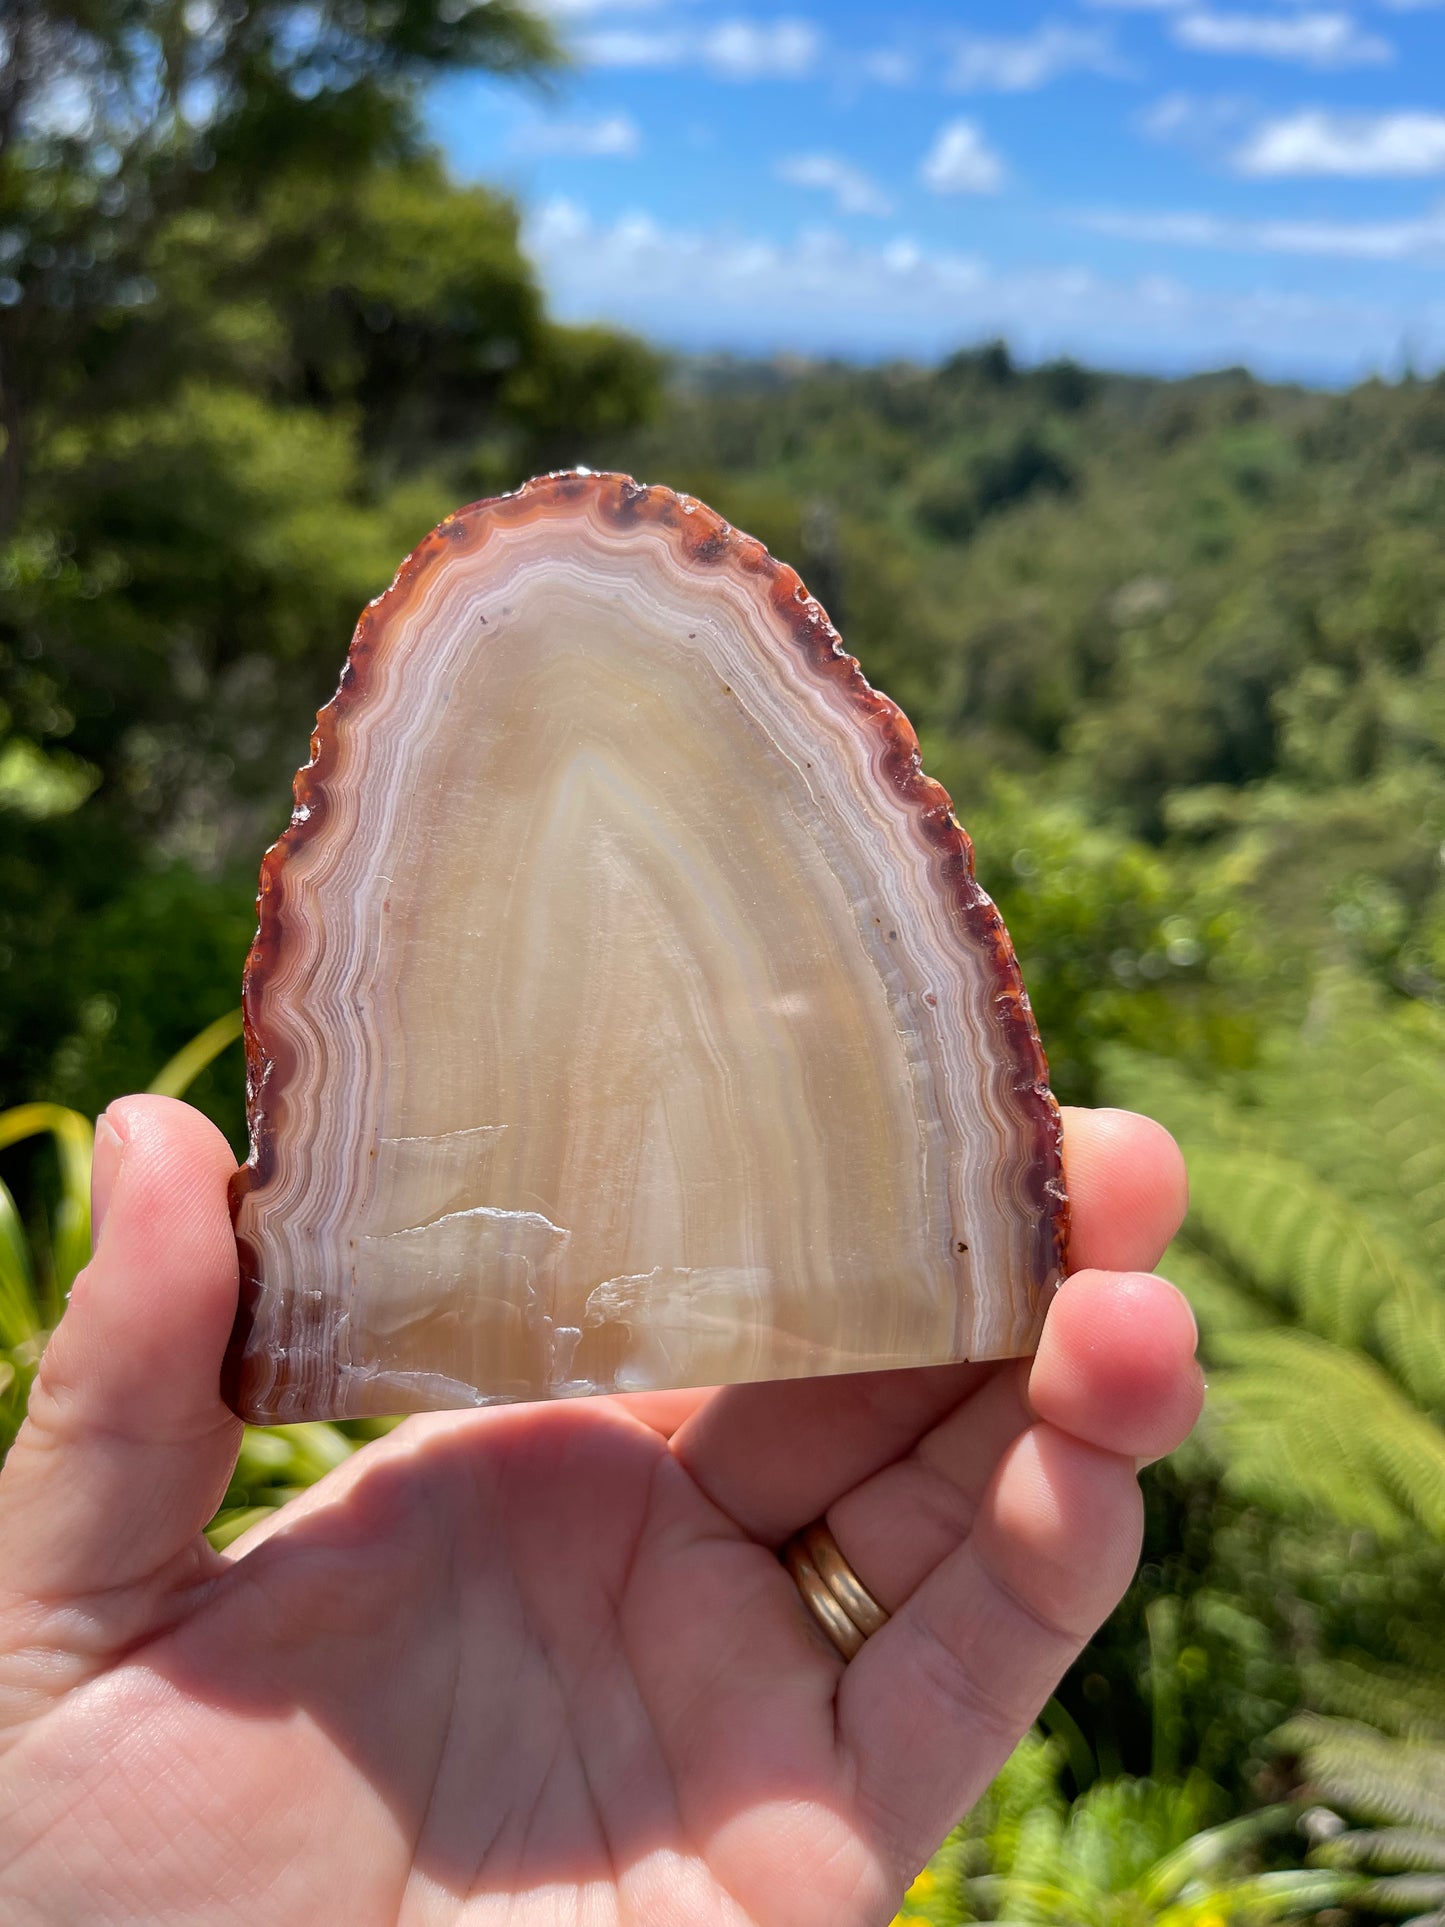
[{"x": 775, "y": 1456}]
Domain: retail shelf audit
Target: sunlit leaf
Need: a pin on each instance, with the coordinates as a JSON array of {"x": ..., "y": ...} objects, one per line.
[{"x": 176, "y": 1078}]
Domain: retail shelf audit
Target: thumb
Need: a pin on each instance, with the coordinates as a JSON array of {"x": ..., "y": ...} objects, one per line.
[{"x": 127, "y": 1448}]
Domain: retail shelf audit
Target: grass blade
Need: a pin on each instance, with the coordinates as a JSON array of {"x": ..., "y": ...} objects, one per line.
[{"x": 177, "y": 1077}]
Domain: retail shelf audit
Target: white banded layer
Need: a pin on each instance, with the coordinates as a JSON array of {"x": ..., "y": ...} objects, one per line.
[{"x": 619, "y": 1018}]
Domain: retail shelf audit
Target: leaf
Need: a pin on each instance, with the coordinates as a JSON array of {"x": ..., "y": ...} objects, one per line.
[
  {"x": 19, "y": 1313},
  {"x": 1294, "y": 1241},
  {"x": 1401, "y": 1782},
  {"x": 1385, "y": 1849},
  {"x": 228, "y": 1526},
  {"x": 1314, "y": 1269},
  {"x": 1219, "y": 1301},
  {"x": 1299, "y": 1416},
  {"x": 1402, "y": 1893},
  {"x": 1406, "y": 1700},
  {"x": 1283, "y": 1895},
  {"x": 1212, "y": 1849},
  {"x": 177, "y": 1076},
  {"x": 70, "y": 1231}
]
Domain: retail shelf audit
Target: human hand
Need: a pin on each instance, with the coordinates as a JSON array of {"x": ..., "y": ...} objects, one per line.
[{"x": 540, "y": 1663}]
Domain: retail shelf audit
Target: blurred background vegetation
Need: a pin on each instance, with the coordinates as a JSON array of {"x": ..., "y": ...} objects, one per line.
[{"x": 1178, "y": 649}]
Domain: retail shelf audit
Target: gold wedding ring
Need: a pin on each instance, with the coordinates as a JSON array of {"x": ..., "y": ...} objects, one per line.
[{"x": 833, "y": 1592}]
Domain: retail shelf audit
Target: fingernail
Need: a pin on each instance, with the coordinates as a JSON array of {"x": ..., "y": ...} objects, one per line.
[{"x": 104, "y": 1170}]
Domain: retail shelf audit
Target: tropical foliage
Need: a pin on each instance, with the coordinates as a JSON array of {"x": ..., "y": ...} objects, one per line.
[
  {"x": 1126, "y": 1853},
  {"x": 1397, "y": 1789},
  {"x": 1313, "y": 1256}
]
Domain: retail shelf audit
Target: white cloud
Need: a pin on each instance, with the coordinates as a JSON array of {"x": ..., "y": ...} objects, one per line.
[
  {"x": 1182, "y": 116},
  {"x": 1165, "y": 230},
  {"x": 782, "y": 49},
  {"x": 1306, "y": 39},
  {"x": 590, "y": 9},
  {"x": 556, "y": 223},
  {"x": 1402, "y": 144},
  {"x": 1414, "y": 240},
  {"x": 889, "y": 66},
  {"x": 852, "y": 190},
  {"x": 1359, "y": 146},
  {"x": 819, "y": 293},
  {"x": 634, "y": 47},
  {"x": 753, "y": 50},
  {"x": 1002, "y": 64},
  {"x": 961, "y": 161},
  {"x": 613, "y": 135}
]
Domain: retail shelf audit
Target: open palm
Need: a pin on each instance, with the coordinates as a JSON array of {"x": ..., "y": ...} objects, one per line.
[{"x": 541, "y": 1663}]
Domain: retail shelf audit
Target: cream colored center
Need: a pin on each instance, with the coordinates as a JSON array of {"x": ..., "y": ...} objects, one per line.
[{"x": 646, "y": 1114}]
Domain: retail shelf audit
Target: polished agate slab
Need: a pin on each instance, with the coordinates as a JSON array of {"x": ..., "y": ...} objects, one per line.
[{"x": 624, "y": 1012}]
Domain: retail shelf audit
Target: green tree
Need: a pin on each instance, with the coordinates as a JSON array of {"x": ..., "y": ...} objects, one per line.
[{"x": 253, "y": 343}]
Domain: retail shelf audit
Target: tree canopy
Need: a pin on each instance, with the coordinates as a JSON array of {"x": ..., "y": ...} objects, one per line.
[{"x": 254, "y": 340}]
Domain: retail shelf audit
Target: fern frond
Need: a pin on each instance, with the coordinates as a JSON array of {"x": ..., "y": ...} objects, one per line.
[
  {"x": 1402, "y": 1894},
  {"x": 19, "y": 1312},
  {"x": 1366, "y": 1095},
  {"x": 1219, "y": 1302},
  {"x": 1310, "y": 1260},
  {"x": 1301, "y": 1420},
  {"x": 1411, "y": 1327},
  {"x": 1405, "y": 1700},
  {"x": 1295, "y": 1242},
  {"x": 1268, "y": 1897},
  {"x": 1386, "y": 1850},
  {"x": 1399, "y": 1782},
  {"x": 1422, "y": 1643},
  {"x": 1196, "y": 1114}
]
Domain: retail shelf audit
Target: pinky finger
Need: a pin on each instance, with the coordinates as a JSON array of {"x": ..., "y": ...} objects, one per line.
[{"x": 937, "y": 1700}]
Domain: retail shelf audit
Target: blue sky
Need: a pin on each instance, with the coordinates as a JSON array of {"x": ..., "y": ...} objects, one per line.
[{"x": 1150, "y": 184}]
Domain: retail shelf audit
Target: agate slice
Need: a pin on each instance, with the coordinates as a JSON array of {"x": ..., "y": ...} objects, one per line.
[{"x": 624, "y": 1013}]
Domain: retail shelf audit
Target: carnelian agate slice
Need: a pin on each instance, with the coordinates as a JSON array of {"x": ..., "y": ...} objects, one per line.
[{"x": 624, "y": 1012}]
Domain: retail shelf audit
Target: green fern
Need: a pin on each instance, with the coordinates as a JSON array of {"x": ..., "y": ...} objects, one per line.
[
  {"x": 1332, "y": 1424},
  {"x": 1312, "y": 1254},
  {"x": 1404, "y": 1697},
  {"x": 1126, "y": 1853},
  {"x": 1399, "y": 1785},
  {"x": 1385, "y": 1148}
]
